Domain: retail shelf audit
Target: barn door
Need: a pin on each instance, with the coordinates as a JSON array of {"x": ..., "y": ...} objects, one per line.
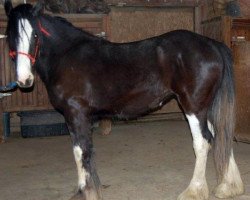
[{"x": 241, "y": 51}]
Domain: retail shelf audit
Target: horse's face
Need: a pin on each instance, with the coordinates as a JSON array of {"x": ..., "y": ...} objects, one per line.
[
  {"x": 20, "y": 51},
  {"x": 22, "y": 40}
]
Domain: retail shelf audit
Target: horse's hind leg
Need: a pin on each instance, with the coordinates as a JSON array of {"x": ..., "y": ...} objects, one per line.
[
  {"x": 231, "y": 184},
  {"x": 88, "y": 181},
  {"x": 198, "y": 189}
]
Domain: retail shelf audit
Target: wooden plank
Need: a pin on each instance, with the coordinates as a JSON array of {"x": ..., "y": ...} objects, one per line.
[
  {"x": 2, "y": 139},
  {"x": 212, "y": 28},
  {"x": 226, "y": 30},
  {"x": 27, "y": 108},
  {"x": 241, "y": 23},
  {"x": 155, "y": 3},
  {"x": 130, "y": 24},
  {"x": 197, "y": 19},
  {"x": 241, "y": 52},
  {"x": 108, "y": 28},
  {"x": 218, "y": 28}
]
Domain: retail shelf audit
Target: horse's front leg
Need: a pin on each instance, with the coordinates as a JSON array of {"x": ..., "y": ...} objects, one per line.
[{"x": 80, "y": 131}]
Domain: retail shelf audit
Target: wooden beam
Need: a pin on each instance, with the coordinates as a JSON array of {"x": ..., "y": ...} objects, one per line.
[
  {"x": 226, "y": 30},
  {"x": 155, "y": 3},
  {"x": 2, "y": 139}
]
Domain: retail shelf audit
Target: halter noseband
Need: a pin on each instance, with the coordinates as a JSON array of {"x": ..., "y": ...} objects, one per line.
[
  {"x": 32, "y": 58},
  {"x": 13, "y": 54}
]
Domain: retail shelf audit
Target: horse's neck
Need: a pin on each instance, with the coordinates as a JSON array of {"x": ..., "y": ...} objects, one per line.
[
  {"x": 60, "y": 39},
  {"x": 60, "y": 42}
]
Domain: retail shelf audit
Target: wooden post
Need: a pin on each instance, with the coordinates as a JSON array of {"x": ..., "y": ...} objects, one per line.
[
  {"x": 197, "y": 19},
  {"x": 1, "y": 123},
  {"x": 226, "y": 30}
]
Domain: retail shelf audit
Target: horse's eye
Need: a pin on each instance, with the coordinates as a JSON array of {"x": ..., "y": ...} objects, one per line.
[{"x": 35, "y": 36}]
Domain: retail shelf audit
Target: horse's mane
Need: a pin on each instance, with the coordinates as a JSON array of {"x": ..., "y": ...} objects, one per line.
[{"x": 64, "y": 22}]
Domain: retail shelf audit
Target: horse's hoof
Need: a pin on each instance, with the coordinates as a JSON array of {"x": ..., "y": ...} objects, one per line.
[
  {"x": 87, "y": 194},
  {"x": 226, "y": 190},
  {"x": 194, "y": 193},
  {"x": 105, "y": 126},
  {"x": 78, "y": 196}
]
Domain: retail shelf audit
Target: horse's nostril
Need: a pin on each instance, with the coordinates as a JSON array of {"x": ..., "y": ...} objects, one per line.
[{"x": 28, "y": 82}]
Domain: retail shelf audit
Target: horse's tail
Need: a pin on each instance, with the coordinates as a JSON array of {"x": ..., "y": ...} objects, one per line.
[{"x": 222, "y": 113}]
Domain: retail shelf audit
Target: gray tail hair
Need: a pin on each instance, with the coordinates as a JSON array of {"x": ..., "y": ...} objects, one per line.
[{"x": 222, "y": 113}]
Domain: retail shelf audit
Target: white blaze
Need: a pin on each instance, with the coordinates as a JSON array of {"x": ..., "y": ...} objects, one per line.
[{"x": 23, "y": 62}]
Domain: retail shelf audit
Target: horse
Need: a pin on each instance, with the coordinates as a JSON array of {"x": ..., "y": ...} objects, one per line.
[{"x": 90, "y": 78}]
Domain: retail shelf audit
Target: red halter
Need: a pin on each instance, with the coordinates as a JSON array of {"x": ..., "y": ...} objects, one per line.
[{"x": 32, "y": 58}]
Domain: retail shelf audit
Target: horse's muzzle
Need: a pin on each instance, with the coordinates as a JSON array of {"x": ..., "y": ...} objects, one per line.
[{"x": 27, "y": 83}]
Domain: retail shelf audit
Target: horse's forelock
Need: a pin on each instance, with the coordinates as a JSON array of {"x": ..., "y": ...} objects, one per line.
[
  {"x": 18, "y": 14},
  {"x": 12, "y": 31}
]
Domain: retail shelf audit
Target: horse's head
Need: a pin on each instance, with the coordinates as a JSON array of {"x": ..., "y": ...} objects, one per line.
[{"x": 22, "y": 39}]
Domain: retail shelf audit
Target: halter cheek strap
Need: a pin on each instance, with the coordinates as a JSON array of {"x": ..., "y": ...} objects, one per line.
[
  {"x": 42, "y": 29},
  {"x": 13, "y": 54}
]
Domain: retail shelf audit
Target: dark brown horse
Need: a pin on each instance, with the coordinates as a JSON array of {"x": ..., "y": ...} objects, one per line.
[{"x": 89, "y": 78}]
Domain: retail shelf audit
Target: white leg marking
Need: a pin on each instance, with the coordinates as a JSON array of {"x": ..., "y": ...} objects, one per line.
[
  {"x": 231, "y": 184},
  {"x": 23, "y": 62},
  {"x": 197, "y": 189},
  {"x": 82, "y": 173}
]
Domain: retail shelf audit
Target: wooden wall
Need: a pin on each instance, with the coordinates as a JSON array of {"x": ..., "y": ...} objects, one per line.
[
  {"x": 241, "y": 52},
  {"x": 130, "y": 24},
  {"x": 218, "y": 28}
]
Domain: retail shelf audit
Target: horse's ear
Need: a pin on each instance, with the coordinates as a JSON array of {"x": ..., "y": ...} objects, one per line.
[
  {"x": 38, "y": 8},
  {"x": 8, "y": 7}
]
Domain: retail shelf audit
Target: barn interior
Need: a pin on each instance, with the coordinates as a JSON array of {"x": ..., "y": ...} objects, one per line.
[{"x": 144, "y": 159}]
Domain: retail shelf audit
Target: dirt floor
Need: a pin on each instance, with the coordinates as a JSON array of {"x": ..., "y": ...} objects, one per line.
[{"x": 143, "y": 161}]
